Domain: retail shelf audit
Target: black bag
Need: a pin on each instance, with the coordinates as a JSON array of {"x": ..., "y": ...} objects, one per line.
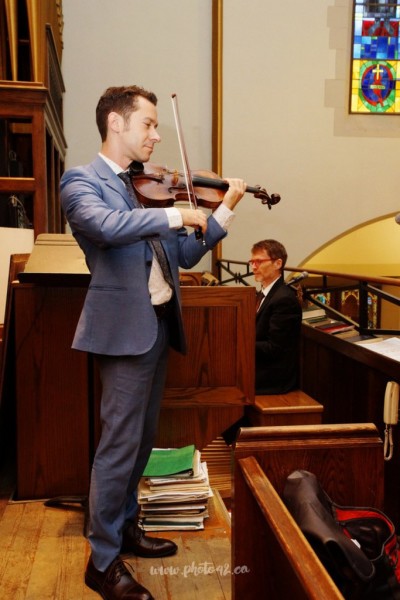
[{"x": 357, "y": 546}]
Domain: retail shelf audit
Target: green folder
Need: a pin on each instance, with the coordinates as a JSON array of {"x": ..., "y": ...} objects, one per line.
[{"x": 170, "y": 461}]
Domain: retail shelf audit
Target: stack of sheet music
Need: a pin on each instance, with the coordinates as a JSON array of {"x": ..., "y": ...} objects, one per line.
[
  {"x": 317, "y": 318},
  {"x": 174, "y": 490},
  {"x": 313, "y": 315}
]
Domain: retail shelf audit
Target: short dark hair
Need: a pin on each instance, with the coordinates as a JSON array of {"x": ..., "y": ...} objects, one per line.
[
  {"x": 274, "y": 250},
  {"x": 122, "y": 100}
]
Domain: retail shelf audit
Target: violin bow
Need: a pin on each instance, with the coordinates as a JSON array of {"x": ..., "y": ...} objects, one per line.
[{"x": 186, "y": 170}]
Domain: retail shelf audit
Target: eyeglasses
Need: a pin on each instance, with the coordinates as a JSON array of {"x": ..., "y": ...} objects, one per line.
[{"x": 256, "y": 262}]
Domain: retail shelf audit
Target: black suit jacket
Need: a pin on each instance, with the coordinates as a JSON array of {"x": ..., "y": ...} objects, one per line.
[{"x": 278, "y": 324}]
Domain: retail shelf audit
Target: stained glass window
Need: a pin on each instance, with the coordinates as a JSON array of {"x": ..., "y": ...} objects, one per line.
[
  {"x": 375, "y": 71},
  {"x": 347, "y": 302},
  {"x": 323, "y": 297},
  {"x": 349, "y": 306}
]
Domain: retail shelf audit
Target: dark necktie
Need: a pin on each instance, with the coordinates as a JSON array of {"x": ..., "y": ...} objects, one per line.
[
  {"x": 259, "y": 299},
  {"x": 156, "y": 245}
]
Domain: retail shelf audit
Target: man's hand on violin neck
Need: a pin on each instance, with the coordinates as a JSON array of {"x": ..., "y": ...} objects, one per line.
[
  {"x": 236, "y": 190},
  {"x": 194, "y": 218}
]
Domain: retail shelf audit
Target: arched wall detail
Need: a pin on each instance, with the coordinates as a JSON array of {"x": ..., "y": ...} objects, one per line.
[{"x": 372, "y": 248}]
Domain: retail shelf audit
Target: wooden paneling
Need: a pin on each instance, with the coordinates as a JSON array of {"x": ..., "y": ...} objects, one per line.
[
  {"x": 350, "y": 382},
  {"x": 58, "y": 389},
  {"x": 219, "y": 364},
  {"x": 52, "y": 393},
  {"x": 207, "y": 389}
]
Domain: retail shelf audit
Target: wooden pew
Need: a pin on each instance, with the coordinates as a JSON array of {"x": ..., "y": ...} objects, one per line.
[
  {"x": 293, "y": 569},
  {"x": 270, "y": 556}
]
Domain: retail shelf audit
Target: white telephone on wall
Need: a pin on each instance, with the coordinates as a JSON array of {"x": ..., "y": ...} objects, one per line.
[{"x": 390, "y": 416}]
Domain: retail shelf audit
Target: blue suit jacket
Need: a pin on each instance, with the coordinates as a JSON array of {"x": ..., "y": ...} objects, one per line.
[{"x": 117, "y": 316}]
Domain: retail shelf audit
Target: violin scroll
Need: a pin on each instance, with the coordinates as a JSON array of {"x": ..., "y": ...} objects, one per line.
[
  {"x": 262, "y": 194},
  {"x": 265, "y": 198}
]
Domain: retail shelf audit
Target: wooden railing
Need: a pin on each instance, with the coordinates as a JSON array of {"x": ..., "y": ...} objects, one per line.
[{"x": 319, "y": 281}]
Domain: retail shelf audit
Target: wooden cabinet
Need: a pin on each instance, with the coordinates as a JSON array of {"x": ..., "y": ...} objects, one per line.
[
  {"x": 32, "y": 143},
  {"x": 32, "y": 151},
  {"x": 58, "y": 390},
  {"x": 52, "y": 393}
]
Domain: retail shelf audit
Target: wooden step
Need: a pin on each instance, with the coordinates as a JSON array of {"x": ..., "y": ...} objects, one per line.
[{"x": 293, "y": 408}]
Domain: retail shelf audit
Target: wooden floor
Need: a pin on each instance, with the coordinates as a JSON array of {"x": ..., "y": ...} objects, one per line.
[{"x": 43, "y": 555}]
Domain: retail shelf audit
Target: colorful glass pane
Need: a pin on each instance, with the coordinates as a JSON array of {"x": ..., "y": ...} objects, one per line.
[
  {"x": 375, "y": 80},
  {"x": 323, "y": 297},
  {"x": 350, "y": 308}
]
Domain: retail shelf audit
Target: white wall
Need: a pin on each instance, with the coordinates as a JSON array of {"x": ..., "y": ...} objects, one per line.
[
  {"x": 12, "y": 241},
  {"x": 286, "y": 124},
  {"x": 165, "y": 46}
]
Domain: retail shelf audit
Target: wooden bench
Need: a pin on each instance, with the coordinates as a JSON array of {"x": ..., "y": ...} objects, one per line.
[
  {"x": 270, "y": 556},
  {"x": 292, "y": 408},
  {"x": 300, "y": 573}
]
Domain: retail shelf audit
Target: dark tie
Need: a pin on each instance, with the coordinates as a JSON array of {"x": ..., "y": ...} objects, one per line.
[
  {"x": 156, "y": 245},
  {"x": 259, "y": 299}
]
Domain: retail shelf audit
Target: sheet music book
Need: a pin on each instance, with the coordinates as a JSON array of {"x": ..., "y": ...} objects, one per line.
[
  {"x": 389, "y": 347},
  {"x": 170, "y": 461},
  {"x": 168, "y": 503}
]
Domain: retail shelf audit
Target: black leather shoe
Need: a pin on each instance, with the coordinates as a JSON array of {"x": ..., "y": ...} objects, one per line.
[
  {"x": 135, "y": 541},
  {"x": 116, "y": 583}
]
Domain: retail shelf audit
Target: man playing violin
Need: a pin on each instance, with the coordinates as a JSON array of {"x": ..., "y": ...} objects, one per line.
[{"x": 131, "y": 314}]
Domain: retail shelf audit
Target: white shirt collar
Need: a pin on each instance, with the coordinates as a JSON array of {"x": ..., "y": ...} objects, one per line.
[
  {"x": 266, "y": 290},
  {"x": 116, "y": 168}
]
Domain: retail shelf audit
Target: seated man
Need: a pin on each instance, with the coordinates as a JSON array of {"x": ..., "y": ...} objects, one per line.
[{"x": 278, "y": 321}]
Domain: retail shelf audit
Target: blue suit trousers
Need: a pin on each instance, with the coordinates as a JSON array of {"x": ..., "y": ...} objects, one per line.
[{"x": 132, "y": 389}]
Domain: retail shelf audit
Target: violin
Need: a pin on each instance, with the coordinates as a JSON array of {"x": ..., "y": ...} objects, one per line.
[{"x": 157, "y": 186}]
